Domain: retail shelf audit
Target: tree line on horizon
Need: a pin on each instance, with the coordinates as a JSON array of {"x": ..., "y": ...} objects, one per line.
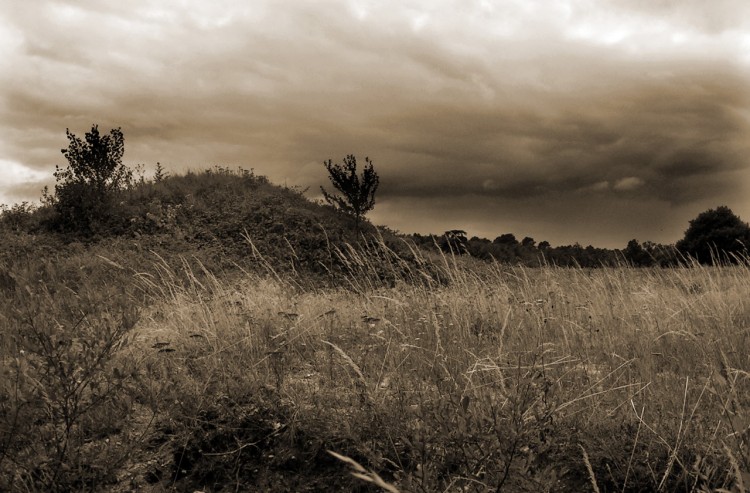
[
  {"x": 86, "y": 204},
  {"x": 507, "y": 248},
  {"x": 714, "y": 236}
]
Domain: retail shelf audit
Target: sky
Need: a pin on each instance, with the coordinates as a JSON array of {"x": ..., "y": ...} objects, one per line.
[{"x": 589, "y": 121}]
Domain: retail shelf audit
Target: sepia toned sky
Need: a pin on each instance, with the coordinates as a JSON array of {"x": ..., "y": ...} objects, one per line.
[{"x": 591, "y": 121}]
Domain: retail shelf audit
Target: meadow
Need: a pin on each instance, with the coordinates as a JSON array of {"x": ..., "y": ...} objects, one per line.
[{"x": 417, "y": 372}]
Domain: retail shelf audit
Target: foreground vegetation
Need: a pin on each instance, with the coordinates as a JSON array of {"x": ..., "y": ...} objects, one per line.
[
  {"x": 128, "y": 370},
  {"x": 214, "y": 332}
]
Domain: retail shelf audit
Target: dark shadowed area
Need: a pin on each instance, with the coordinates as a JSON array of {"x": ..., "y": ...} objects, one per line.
[{"x": 576, "y": 121}]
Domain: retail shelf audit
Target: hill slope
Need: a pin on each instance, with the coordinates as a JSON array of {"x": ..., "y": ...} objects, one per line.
[{"x": 225, "y": 218}]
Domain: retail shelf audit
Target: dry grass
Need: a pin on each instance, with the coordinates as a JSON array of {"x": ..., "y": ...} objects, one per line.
[
  {"x": 420, "y": 374},
  {"x": 470, "y": 376}
]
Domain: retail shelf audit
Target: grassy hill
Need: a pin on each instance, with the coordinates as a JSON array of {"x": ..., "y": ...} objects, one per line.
[
  {"x": 227, "y": 219},
  {"x": 226, "y": 334}
]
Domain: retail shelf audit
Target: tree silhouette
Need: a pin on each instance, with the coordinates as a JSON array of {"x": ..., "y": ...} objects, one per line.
[
  {"x": 528, "y": 242},
  {"x": 358, "y": 192},
  {"x": 455, "y": 242},
  {"x": 160, "y": 175},
  {"x": 715, "y": 235},
  {"x": 506, "y": 239},
  {"x": 85, "y": 188},
  {"x": 636, "y": 254}
]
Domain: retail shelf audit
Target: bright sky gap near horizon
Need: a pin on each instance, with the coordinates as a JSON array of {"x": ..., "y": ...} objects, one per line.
[{"x": 590, "y": 121}]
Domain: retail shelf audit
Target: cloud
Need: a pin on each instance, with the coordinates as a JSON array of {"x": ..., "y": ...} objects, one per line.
[
  {"x": 490, "y": 185},
  {"x": 712, "y": 18},
  {"x": 520, "y": 108},
  {"x": 600, "y": 186},
  {"x": 658, "y": 133},
  {"x": 628, "y": 183},
  {"x": 17, "y": 182}
]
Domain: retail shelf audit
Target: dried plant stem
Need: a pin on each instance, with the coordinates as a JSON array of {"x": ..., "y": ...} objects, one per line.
[{"x": 590, "y": 470}]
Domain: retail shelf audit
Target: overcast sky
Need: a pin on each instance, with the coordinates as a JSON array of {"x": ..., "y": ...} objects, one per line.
[{"x": 591, "y": 121}]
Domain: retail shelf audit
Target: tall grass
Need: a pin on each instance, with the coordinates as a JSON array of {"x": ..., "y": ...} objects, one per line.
[
  {"x": 446, "y": 374},
  {"x": 419, "y": 372}
]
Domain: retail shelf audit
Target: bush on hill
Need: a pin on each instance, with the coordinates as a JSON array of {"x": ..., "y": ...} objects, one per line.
[{"x": 86, "y": 190}]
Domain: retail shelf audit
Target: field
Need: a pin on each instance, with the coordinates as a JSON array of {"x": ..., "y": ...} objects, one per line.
[{"x": 125, "y": 371}]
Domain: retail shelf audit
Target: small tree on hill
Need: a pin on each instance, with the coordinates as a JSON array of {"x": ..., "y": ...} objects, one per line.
[
  {"x": 85, "y": 188},
  {"x": 716, "y": 234},
  {"x": 358, "y": 192},
  {"x": 160, "y": 175}
]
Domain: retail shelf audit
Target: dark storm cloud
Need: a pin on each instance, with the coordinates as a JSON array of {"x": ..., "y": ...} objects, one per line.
[{"x": 671, "y": 138}]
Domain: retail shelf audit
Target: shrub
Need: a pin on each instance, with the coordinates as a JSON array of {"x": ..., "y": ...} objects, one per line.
[
  {"x": 18, "y": 217},
  {"x": 63, "y": 386}
]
